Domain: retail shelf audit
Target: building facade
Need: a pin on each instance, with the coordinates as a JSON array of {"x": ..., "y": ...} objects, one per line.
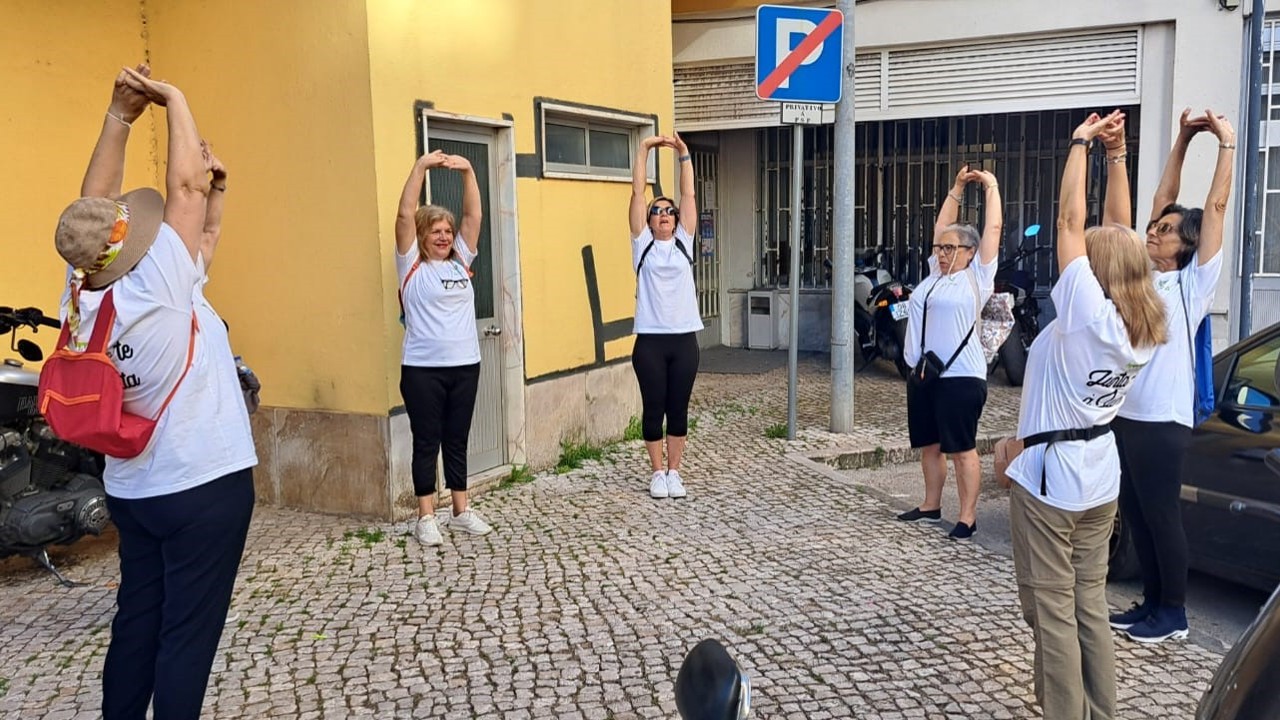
[{"x": 319, "y": 110}]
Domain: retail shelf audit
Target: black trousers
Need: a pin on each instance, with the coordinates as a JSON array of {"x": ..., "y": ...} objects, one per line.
[
  {"x": 440, "y": 402},
  {"x": 666, "y": 366},
  {"x": 178, "y": 560},
  {"x": 1151, "y": 455}
]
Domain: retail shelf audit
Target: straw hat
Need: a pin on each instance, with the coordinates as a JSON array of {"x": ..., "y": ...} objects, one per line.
[{"x": 104, "y": 238}]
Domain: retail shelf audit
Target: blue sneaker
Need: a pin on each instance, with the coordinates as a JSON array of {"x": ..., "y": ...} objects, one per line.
[
  {"x": 1164, "y": 623},
  {"x": 1134, "y": 615}
]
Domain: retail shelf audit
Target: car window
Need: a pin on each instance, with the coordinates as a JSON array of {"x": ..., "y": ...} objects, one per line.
[{"x": 1254, "y": 381}]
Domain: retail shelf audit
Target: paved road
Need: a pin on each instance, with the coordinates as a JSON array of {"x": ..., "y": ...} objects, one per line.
[{"x": 1218, "y": 611}]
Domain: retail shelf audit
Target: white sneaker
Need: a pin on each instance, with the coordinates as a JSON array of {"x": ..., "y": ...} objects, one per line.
[
  {"x": 675, "y": 488},
  {"x": 427, "y": 531},
  {"x": 658, "y": 485},
  {"x": 469, "y": 521}
]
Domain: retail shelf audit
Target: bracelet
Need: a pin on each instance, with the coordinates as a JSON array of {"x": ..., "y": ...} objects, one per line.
[
  {"x": 1227, "y": 146},
  {"x": 992, "y": 186},
  {"x": 685, "y": 158},
  {"x": 1079, "y": 141},
  {"x": 955, "y": 197},
  {"x": 1116, "y": 159},
  {"x": 219, "y": 189},
  {"x": 119, "y": 120}
]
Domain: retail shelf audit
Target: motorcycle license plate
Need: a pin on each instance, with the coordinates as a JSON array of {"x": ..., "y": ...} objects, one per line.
[{"x": 898, "y": 311}]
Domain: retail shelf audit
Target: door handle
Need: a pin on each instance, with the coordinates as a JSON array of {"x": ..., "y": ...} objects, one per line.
[{"x": 493, "y": 331}]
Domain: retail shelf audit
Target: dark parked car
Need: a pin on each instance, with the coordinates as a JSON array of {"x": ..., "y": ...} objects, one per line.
[{"x": 1230, "y": 500}]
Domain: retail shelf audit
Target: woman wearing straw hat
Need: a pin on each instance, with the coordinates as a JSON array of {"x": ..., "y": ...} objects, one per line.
[{"x": 183, "y": 505}]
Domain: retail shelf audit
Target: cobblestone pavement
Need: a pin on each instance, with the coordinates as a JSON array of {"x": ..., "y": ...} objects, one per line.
[{"x": 584, "y": 599}]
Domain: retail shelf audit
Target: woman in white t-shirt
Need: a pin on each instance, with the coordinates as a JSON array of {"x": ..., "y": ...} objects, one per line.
[
  {"x": 1154, "y": 427},
  {"x": 942, "y": 415},
  {"x": 183, "y": 505},
  {"x": 665, "y": 356},
  {"x": 440, "y": 370},
  {"x": 1063, "y": 499}
]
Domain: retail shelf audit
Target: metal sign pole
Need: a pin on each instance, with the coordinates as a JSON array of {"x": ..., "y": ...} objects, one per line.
[{"x": 793, "y": 357}]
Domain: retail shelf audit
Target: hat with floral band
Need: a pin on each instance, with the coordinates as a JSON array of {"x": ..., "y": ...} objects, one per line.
[{"x": 104, "y": 238}]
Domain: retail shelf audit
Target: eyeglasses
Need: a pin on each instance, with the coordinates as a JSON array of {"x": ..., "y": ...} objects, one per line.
[
  {"x": 663, "y": 210},
  {"x": 949, "y": 249},
  {"x": 453, "y": 284},
  {"x": 1161, "y": 228}
]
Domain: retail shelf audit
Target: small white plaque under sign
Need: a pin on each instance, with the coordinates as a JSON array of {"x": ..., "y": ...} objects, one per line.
[{"x": 798, "y": 113}]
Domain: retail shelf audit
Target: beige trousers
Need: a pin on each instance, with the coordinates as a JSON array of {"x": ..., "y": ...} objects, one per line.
[{"x": 1061, "y": 562}]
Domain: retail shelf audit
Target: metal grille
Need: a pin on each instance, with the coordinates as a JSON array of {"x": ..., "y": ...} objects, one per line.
[
  {"x": 904, "y": 168},
  {"x": 1269, "y": 161},
  {"x": 706, "y": 272}
]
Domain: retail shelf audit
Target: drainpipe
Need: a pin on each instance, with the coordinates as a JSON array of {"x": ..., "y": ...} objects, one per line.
[
  {"x": 1250, "y": 228},
  {"x": 843, "y": 257}
]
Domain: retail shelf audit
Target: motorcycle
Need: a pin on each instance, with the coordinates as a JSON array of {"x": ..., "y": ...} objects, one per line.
[
  {"x": 51, "y": 491},
  {"x": 880, "y": 312},
  {"x": 1018, "y": 282}
]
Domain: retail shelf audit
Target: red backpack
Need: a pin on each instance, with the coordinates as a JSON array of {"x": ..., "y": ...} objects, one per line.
[{"x": 81, "y": 394}]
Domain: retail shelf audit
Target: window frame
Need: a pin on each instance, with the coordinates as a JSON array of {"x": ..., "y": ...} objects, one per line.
[{"x": 633, "y": 125}]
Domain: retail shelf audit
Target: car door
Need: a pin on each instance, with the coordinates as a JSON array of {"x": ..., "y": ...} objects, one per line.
[{"x": 1224, "y": 469}]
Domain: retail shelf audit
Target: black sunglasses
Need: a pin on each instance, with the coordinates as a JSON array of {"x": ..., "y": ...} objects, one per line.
[{"x": 663, "y": 210}]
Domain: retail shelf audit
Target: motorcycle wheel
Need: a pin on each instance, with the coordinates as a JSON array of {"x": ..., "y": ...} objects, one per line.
[
  {"x": 1013, "y": 356},
  {"x": 900, "y": 337}
]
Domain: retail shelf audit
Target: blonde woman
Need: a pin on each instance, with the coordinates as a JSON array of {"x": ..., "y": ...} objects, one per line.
[
  {"x": 440, "y": 371},
  {"x": 1065, "y": 483}
]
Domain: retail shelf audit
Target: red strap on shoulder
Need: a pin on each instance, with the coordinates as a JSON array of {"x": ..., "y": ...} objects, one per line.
[
  {"x": 104, "y": 324},
  {"x": 191, "y": 350},
  {"x": 405, "y": 284}
]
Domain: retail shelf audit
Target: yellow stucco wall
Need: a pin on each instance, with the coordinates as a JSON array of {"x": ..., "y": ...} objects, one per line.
[
  {"x": 311, "y": 107},
  {"x": 55, "y": 94},
  {"x": 489, "y": 57}
]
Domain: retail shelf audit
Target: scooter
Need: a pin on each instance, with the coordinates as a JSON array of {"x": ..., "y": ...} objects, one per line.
[
  {"x": 51, "y": 492},
  {"x": 880, "y": 312},
  {"x": 1018, "y": 282}
]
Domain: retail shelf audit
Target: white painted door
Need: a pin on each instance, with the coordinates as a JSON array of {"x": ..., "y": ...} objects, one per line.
[{"x": 488, "y": 441}]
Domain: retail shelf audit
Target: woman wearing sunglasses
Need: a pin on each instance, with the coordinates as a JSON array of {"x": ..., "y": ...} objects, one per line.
[
  {"x": 942, "y": 414},
  {"x": 667, "y": 320},
  {"x": 440, "y": 372},
  {"x": 1155, "y": 424}
]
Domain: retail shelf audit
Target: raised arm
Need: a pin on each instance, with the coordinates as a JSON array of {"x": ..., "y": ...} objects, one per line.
[
  {"x": 1215, "y": 205},
  {"x": 639, "y": 183},
  {"x": 993, "y": 227},
  {"x": 688, "y": 196},
  {"x": 950, "y": 210},
  {"x": 472, "y": 209},
  {"x": 213, "y": 206},
  {"x": 406, "y": 227},
  {"x": 1071, "y": 197},
  {"x": 1171, "y": 179},
  {"x": 1117, "y": 209},
  {"x": 106, "y": 165},
  {"x": 186, "y": 180}
]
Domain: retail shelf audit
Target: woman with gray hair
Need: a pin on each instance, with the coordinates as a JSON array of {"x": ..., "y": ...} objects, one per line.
[{"x": 948, "y": 383}]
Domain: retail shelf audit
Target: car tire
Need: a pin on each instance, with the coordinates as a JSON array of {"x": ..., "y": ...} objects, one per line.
[{"x": 1122, "y": 559}]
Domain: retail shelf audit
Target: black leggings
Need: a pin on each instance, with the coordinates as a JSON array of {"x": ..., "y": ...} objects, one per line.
[
  {"x": 666, "y": 366},
  {"x": 1151, "y": 455},
  {"x": 439, "y": 402}
]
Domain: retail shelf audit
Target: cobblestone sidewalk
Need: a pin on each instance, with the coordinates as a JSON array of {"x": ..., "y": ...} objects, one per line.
[{"x": 584, "y": 599}]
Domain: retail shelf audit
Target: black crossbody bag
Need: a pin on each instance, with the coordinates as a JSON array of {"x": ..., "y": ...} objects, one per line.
[{"x": 931, "y": 367}]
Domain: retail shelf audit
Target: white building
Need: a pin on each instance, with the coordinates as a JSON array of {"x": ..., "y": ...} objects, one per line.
[{"x": 999, "y": 83}]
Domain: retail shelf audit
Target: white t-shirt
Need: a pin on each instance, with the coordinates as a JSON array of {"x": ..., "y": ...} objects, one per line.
[
  {"x": 1079, "y": 370},
  {"x": 204, "y": 434},
  {"x": 666, "y": 301},
  {"x": 439, "y": 309},
  {"x": 952, "y": 312},
  {"x": 1164, "y": 391}
]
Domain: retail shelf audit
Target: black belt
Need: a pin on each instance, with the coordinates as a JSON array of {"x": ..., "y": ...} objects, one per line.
[{"x": 1053, "y": 436}]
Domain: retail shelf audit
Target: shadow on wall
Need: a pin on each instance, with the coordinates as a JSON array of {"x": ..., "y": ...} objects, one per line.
[{"x": 602, "y": 331}]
